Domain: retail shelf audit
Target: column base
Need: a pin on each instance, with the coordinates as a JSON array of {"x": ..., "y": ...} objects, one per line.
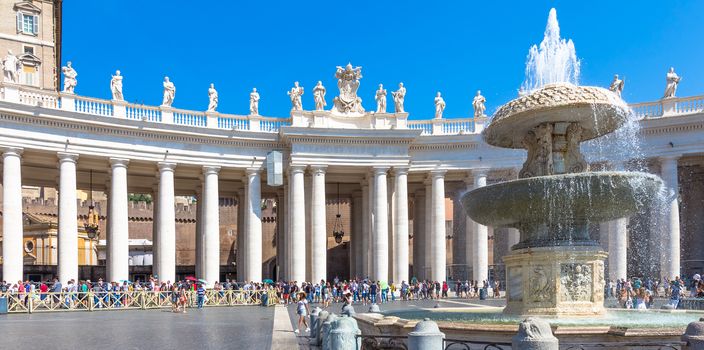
[{"x": 555, "y": 281}]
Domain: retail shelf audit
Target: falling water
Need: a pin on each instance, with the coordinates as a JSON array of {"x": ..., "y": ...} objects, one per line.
[{"x": 554, "y": 61}]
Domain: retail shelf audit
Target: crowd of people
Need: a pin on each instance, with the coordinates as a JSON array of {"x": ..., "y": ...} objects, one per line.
[{"x": 637, "y": 293}]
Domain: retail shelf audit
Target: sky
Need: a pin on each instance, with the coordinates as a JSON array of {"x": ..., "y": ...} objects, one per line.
[{"x": 455, "y": 47}]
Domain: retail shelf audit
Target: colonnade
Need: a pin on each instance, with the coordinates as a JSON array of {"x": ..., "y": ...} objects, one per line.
[{"x": 380, "y": 237}]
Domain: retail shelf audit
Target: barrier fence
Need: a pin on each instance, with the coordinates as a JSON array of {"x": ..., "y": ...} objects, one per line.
[{"x": 135, "y": 300}]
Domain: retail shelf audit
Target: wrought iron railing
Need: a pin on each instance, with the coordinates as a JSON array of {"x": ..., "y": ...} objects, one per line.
[
  {"x": 399, "y": 342},
  {"x": 624, "y": 345}
]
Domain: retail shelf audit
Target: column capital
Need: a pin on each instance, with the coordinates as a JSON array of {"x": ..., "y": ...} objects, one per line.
[
  {"x": 438, "y": 173},
  {"x": 480, "y": 172},
  {"x": 318, "y": 169},
  {"x": 252, "y": 171},
  {"x": 166, "y": 166},
  {"x": 401, "y": 170},
  {"x": 297, "y": 168},
  {"x": 211, "y": 169},
  {"x": 378, "y": 170},
  {"x": 11, "y": 151},
  {"x": 669, "y": 158},
  {"x": 67, "y": 157},
  {"x": 119, "y": 162}
]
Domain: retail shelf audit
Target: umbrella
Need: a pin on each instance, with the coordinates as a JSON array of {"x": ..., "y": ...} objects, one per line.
[
  {"x": 384, "y": 285},
  {"x": 203, "y": 281},
  {"x": 191, "y": 278},
  {"x": 269, "y": 281},
  {"x": 125, "y": 281}
]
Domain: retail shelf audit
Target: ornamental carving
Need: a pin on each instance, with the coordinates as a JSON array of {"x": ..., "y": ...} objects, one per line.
[
  {"x": 540, "y": 287},
  {"x": 348, "y": 83},
  {"x": 576, "y": 282}
]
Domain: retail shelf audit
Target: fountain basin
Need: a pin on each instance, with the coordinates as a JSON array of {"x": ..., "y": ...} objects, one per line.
[
  {"x": 597, "y": 110},
  {"x": 556, "y": 210}
]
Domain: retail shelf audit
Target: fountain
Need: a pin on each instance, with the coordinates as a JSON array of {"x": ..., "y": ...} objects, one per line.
[{"x": 556, "y": 269}]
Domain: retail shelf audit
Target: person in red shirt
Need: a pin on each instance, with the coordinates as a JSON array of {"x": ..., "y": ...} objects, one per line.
[{"x": 43, "y": 289}]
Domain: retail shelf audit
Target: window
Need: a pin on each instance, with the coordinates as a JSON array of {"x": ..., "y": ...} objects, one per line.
[
  {"x": 27, "y": 24},
  {"x": 28, "y": 50}
]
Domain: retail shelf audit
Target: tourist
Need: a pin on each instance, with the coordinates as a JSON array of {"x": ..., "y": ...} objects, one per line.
[
  {"x": 641, "y": 299},
  {"x": 445, "y": 287},
  {"x": 675, "y": 290},
  {"x": 302, "y": 309},
  {"x": 201, "y": 295}
]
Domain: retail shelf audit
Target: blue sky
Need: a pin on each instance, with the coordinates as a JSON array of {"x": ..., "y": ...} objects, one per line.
[{"x": 455, "y": 47}]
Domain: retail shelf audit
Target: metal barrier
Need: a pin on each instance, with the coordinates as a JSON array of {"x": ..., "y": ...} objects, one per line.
[
  {"x": 634, "y": 345},
  {"x": 400, "y": 342},
  {"x": 130, "y": 300}
]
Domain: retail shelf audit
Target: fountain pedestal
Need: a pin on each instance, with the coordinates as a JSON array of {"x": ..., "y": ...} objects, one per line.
[{"x": 555, "y": 281}]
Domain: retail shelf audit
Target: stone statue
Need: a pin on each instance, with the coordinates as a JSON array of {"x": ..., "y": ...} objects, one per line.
[
  {"x": 11, "y": 68},
  {"x": 478, "y": 104},
  {"x": 399, "y": 95},
  {"x": 538, "y": 142},
  {"x": 672, "y": 81},
  {"x": 254, "y": 102},
  {"x": 381, "y": 99},
  {"x": 574, "y": 161},
  {"x": 295, "y": 94},
  {"x": 348, "y": 83},
  {"x": 212, "y": 98},
  {"x": 116, "y": 86},
  {"x": 617, "y": 85},
  {"x": 540, "y": 288},
  {"x": 169, "y": 93},
  {"x": 439, "y": 105},
  {"x": 70, "y": 75},
  {"x": 319, "y": 96}
]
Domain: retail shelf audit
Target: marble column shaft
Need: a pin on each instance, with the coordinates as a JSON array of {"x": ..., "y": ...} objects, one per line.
[
  {"x": 166, "y": 227},
  {"x": 401, "y": 226},
  {"x": 437, "y": 245},
  {"x": 211, "y": 225},
  {"x": 118, "y": 222},
  {"x": 298, "y": 224},
  {"x": 380, "y": 236},
  {"x": 253, "y": 248},
  {"x": 12, "y": 223},
  {"x": 68, "y": 218},
  {"x": 618, "y": 247},
  {"x": 319, "y": 238},
  {"x": 672, "y": 218},
  {"x": 481, "y": 239},
  {"x": 419, "y": 247},
  {"x": 428, "y": 234},
  {"x": 366, "y": 231}
]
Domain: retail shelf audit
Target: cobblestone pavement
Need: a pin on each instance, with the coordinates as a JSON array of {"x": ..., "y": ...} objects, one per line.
[{"x": 241, "y": 327}]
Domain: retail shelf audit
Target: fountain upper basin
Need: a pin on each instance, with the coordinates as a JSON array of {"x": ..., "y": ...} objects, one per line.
[
  {"x": 556, "y": 210},
  {"x": 597, "y": 110}
]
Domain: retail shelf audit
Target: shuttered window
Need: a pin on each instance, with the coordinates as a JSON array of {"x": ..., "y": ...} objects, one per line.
[{"x": 27, "y": 24}]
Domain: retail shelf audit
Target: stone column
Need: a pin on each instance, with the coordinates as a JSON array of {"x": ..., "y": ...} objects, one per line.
[
  {"x": 380, "y": 236},
  {"x": 211, "y": 226},
  {"x": 428, "y": 235},
  {"x": 319, "y": 240},
  {"x": 401, "y": 225},
  {"x": 308, "y": 193},
  {"x": 241, "y": 229},
  {"x": 672, "y": 218},
  {"x": 358, "y": 251},
  {"x": 200, "y": 243},
  {"x": 166, "y": 227},
  {"x": 253, "y": 248},
  {"x": 419, "y": 248},
  {"x": 365, "y": 253},
  {"x": 437, "y": 247},
  {"x": 281, "y": 233},
  {"x": 12, "y": 223},
  {"x": 68, "y": 218},
  {"x": 481, "y": 238},
  {"x": 469, "y": 235},
  {"x": 118, "y": 231},
  {"x": 298, "y": 224},
  {"x": 618, "y": 246},
  {"x": 155, "y": 227},
  {"x": 514, "y": 236}
]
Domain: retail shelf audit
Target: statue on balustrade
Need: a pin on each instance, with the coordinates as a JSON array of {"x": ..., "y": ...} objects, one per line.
[
  {"x": 11, "y": 66},
  {"x": 348, "y": 83},
  {"x": 478, "y": 104},
  {"x": 70, "y": 75},
  {"x": 439, "y": 105},
  {"x": 381, "y": 99},
  {"x": 254, "y": 102},
  {"x": 672, "y": 81},
  {"x": 295, "y": 94},
  {"x": 169, "y": 93},
  {"x": 116, "y": 86},
  {"x": 212, "y": 98},
  {"x": 399, "y": 95},
  {"x": 319, "y": 96},
  {"x": 617, "y": 85}
]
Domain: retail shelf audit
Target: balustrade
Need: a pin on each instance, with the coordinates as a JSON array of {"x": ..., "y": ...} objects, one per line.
[{"x": 120, "y": 109}]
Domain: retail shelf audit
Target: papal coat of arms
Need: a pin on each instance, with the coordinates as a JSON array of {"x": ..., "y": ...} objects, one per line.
[{"x": 348, "y": 82}]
